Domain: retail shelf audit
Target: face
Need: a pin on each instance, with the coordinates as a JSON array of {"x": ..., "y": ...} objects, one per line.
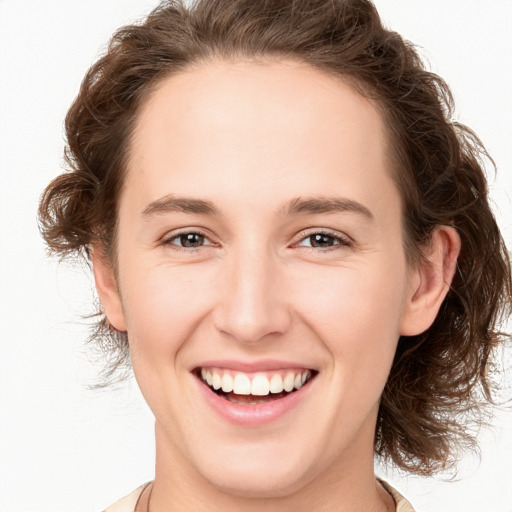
[{"x": 260, "y": 252}]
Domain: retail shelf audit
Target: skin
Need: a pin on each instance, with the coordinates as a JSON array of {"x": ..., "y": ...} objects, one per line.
[{"x": 249, "y": 138}]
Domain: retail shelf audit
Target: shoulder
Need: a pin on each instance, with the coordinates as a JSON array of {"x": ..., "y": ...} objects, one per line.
[
  {"x": 402, "y": 505},
  {"x": 128, "y": 503}
]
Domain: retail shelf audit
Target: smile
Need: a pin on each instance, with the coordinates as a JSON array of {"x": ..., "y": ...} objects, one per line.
[
  {"x": 259, "y": 384},
  {"x": 253, "y": 397}
]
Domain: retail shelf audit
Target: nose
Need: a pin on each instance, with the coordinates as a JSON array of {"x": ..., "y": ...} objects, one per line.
[{"x": 252, "y": 304}]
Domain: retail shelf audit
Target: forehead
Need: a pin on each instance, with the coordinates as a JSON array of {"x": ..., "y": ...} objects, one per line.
[{"x": 251, "y": 125}]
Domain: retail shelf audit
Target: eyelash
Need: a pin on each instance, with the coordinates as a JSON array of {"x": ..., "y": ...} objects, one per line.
[
  {"x": 342, "y": 241},
  {"x": 168, "y": 240}
]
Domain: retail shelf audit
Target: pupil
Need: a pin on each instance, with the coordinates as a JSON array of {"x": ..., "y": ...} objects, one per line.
[
  {"x": 191, "y": 240},
  {"x": 321, "y": 240}
]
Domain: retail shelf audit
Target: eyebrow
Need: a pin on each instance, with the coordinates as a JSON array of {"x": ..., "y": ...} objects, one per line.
[
  {"x": 172, "y": 203},
  {"x": 324, "y": 204},
  {"x": 299, "y": 205}
]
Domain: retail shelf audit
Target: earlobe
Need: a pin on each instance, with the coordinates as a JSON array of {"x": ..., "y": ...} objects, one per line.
[
  {"x": 108, "y": 292},
  {"x": 430, "y": 281}
]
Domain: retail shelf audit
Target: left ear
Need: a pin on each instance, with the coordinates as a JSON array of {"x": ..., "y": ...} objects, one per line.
[{"x": 430, "y": 281}]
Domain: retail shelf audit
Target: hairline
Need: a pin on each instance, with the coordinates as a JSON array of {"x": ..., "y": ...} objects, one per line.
[{"x": 392, "y": 145}]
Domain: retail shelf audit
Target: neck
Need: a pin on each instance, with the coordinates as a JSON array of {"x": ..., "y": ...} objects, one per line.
[{"x": 347, "y": 485}]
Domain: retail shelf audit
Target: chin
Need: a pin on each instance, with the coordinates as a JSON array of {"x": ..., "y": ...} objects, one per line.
[
  {"x": 257, "y": 470},
  {"x": 257, "y": 482}
]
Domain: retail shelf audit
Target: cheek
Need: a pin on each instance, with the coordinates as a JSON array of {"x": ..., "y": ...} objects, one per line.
[
  {"x": 163, "y": 304},
  {"x": 356, "y": 313},
  {"x": 357, "y": 299}
]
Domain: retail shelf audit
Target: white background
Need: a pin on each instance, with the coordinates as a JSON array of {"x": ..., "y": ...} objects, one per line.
[{"x": 63, "y": 447}]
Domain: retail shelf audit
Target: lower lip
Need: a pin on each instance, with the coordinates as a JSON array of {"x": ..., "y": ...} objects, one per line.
[{"x": 256, "y": 414}]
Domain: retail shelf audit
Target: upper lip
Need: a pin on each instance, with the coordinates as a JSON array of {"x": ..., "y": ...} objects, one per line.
[{"x": 253, "y": 366}]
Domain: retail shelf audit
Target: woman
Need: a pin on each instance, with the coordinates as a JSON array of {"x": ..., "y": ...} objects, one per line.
[{"x": 294, "y": 243}]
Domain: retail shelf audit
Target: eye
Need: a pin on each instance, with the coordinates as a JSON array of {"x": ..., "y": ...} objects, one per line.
[
  {"x": 324, "y": 240},
  {"x": 187, "y": 240}
]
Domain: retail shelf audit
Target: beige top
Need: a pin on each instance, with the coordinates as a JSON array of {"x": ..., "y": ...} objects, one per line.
[
  {"x": 129, "y": 503},
  {"x": 402, "y": 505}
]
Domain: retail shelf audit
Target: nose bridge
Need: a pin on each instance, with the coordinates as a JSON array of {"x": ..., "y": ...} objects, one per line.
[{"x": 252, "y": 303}]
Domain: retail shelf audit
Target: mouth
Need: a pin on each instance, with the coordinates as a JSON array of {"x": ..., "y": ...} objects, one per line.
[{"x": 254, "y": 388}]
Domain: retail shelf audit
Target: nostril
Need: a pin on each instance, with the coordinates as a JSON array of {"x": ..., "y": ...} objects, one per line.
[{"x": 253, "y": 305}]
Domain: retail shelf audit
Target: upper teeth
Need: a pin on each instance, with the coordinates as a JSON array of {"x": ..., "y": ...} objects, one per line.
[{"x": 259, "y": 384}]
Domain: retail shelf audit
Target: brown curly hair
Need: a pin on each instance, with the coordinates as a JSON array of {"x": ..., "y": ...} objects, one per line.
[{"x": 439, "y": 378}]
